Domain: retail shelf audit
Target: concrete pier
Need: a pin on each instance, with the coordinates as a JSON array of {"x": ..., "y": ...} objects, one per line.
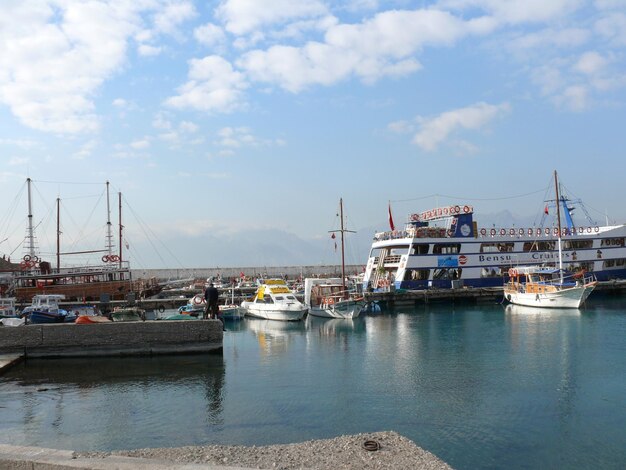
[{"x": 112, "y": 339}]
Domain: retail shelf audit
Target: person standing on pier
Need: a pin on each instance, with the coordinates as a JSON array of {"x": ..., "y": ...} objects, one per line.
[{"x": 211, "y": 295}]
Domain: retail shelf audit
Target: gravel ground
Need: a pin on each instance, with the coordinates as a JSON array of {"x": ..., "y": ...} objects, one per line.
[{"x": 345, "y": 452}]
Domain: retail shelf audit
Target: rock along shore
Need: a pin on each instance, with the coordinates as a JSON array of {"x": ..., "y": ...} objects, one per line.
[{"x": 394, "y": 452}]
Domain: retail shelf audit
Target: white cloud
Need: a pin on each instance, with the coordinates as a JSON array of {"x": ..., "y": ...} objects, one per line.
[
  {"x": 140, "y": 143},
  {"x": 86, "y": 150},
  {"x": 381, "y": 46},
  {"x": 120, "y": 103},
  {"x": 517, "y": 11},
  {"x": 20, "y": 143},
  {"x": 209, "y": 35},
  {"x": 230, "y": 138},
  {"x": 590, "y": 63},
  {"x": 168, "y": 19},
  {"x": 146, "y": 50},
  {"x": 55, "y": 55},
  {"x": 213, "y": 86},
  {"x": 245, "y": 16},
  {"x": 612, "y": 27},
  {"x": 574, "y": 98},
  {"x": 434, "y": 131}
]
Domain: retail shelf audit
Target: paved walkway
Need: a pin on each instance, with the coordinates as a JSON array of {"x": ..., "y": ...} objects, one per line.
[{"x": 20, "y": 457}]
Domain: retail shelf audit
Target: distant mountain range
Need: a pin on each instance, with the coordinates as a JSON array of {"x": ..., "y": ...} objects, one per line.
[{"x": 279, "y": 248}]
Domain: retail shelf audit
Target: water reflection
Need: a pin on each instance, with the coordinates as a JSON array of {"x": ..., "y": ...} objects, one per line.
[{"x": 482, "y": 386}]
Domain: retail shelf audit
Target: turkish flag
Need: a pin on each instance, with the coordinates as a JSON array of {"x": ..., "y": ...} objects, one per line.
[{"x": 391, "y": 225}]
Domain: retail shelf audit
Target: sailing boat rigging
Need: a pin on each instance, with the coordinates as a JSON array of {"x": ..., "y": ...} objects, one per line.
[
  {"x": 330, "y": 298},
  {"x": 109, "y": 281},
  {"x": 539, "y": 286}
]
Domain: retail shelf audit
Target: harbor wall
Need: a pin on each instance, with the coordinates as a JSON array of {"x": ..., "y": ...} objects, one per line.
[
  {"x": 291, "y": 272},
  {"x": 113, "y": 339}
]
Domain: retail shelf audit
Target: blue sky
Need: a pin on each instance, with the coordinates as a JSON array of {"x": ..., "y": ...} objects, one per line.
[{"x": 240, "y": 123}]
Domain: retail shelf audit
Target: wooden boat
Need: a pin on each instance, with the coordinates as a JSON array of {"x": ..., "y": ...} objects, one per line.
[
  {"x": 539, "y": 286},
  {"x": 231, "y": 312},
  {"x": 120, "y": 314},
  {"x": 330, "y": 298},
  {"x": 110, "y": 280}
]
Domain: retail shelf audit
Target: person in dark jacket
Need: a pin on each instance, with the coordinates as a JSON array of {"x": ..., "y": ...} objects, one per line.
[{"x": 211, "y": 295}]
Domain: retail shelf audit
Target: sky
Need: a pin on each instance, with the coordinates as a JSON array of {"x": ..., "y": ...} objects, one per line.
[{"x": 232, "y": 128}]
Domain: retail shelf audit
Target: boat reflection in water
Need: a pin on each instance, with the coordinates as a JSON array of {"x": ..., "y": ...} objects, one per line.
[
  {"x": 274, "y": 337},
  {"x": 512, "y": 309}
]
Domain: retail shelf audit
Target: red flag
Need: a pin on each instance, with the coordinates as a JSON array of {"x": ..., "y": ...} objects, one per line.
[
  {"x": 391, "y": 225},
  {"x": 545, "y": 211},
  {"x": 241, "y": 275}
]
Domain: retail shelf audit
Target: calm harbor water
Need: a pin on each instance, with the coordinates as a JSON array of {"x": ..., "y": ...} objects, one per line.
[{"x": 481, "y": 386}]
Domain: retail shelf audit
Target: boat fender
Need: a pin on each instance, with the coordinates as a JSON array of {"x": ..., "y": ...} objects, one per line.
[
  {"x": 596, "y": 229},
  {"x": 457, "y": 210},
  {"x": 26, "y": 258},
  {"x": 161, "y": 308},
  {"x": 466, "y": 209},
  {"x": 492, "y": 232},
  {"x": 502, "y": 232},
  {"x": 483, "y": 232},
  {"x": 330, "y": 301},
  {"x": 512, "y": 272},
  {"x": 512, "y": 232}
]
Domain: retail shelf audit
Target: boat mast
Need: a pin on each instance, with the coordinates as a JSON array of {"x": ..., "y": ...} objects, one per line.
[
  {"x": 109, "y": 240},
  {"x": 343, "y": 263},
  {"x": 59, "y": 234},
  {"x": 558, "y": 219},
  {"x": 121, "y": 226},
  {"x": 30, "y": 235}
]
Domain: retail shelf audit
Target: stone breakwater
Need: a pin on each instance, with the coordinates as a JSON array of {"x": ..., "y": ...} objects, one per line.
[
  {"x": 395, "y": 452},
  {"x": 290, "y": 272}
]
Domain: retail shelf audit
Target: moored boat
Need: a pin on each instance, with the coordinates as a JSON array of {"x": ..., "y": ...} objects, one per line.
[
  {"x": 536, "y": 286},
  {"x": 274, "y": 300},
  {"x": 88, "y": 314},
  {"x": 123, "y": 314},
  {"x": 7, "y": 308},
  {"x": 45, "y": 309},
  {"x": 195, "y": 307},
  {"x": 445, "y": 247},
  {"x": 331, "y": 298}
]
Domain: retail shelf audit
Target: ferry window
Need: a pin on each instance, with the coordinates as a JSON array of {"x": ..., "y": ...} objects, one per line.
[
  {"x": 611, "y": 263},
  {"x": 540, "y": 245},
  {"x": 496, "y": 247},
  {"x": 419, "y": 249},
  {"x": 416, "y": 274},
  {"x": 612, "y": 242},
  {"x": 279, "y": 297},
  {"x": 447, "y": 274},
  {"x": 577, "y": 244},
  {"x": 291, "y": 297},
  {"x": 399, "y": 250},
  {"x": 268, "y": 299},
  {"x": 446, "y": 248}
]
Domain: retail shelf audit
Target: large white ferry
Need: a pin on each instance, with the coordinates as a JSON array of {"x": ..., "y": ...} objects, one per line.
[{"x": 445, "y": 248}]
